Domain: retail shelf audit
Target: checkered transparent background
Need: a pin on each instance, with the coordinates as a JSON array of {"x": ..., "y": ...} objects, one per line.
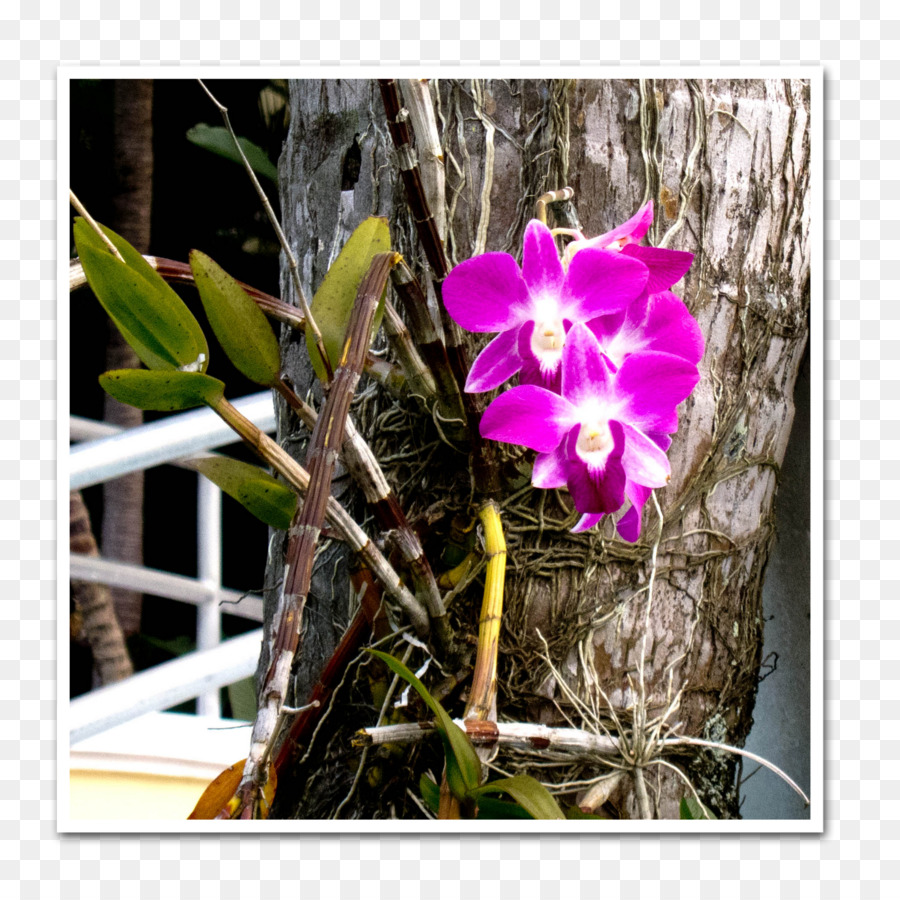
[{"x": 859, "y": 45}]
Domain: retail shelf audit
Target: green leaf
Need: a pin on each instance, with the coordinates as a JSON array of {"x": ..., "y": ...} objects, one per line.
[
  {"x": 490, "y": 808},
  {"x": 463, "y": 765},
  {"x": 238, "y": 323},
  {"x": 217, "y": 140},
  {"x": 689, "y": 808},
  {"x": 528, "y": 792},
  {"x": 268, "y": 499},
  {"x": 151, "y": 316},
  {"x": 431, "y": 793},
  {"x": 242, "y": 697},
  {"x": 333, "y": 302},
  {"x": 164, "y": 391}
]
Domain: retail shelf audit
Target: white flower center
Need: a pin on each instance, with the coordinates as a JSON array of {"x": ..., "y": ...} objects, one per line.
[
  {"x": 595, "y": 442},
  {"x": 548, "y": 335}
]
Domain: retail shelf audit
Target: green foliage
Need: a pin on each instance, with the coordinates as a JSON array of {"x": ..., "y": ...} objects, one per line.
[
  {"x": 253, "y": 487},
  {"x": 690, "y": 808},
  {"x": 463, "y": 765},
  {"x": 492, "y": 808},
  {"x": 431, "y": 793},
  {"x": 531, "y": 799},
  {"x": 164, "y": 391},
  {"x": 238, "y": 323},
  {"x": 528, "y": 793},
  {"x": 333, "y": 302},
  {"x": 151, "y": 316},
  {"x": 242, "y": 697},
  {"x": 217, "y": 140}
]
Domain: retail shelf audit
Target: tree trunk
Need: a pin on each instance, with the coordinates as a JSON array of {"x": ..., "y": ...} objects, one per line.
[
  {"x": 94, "y": 616},
  {"x": 727, "y": 165},
  {"x": 123, "y": 498}
]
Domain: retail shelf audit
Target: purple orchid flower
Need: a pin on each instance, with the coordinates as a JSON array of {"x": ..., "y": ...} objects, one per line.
[
  {"x": 604, "y": 437},
  {"x": 658, "y": 321},
  {"x": 666, "y": 267},
  {"x": 533, "y": 308}
]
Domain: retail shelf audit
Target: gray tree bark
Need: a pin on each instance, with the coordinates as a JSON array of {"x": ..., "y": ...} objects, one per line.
[
  {"x": 727, "y": 165},
  {"x": 123, "y": 498}
]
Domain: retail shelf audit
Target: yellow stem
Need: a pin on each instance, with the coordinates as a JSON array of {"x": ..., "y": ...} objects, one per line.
[{"x": 482, "y": 703}]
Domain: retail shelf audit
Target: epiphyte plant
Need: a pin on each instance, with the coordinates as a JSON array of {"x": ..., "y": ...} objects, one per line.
[{"x": 604, "y": 353}]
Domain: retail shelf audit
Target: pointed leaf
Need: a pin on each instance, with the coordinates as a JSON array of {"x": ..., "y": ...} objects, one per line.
[
  {"x": 689, "y": 808},
  {"x": 528, "y": 792},
  {"x": 463, "y": 765},
  {"x": 238, "y": 323},
  {"x": 336, "y": 295},
  {"x": 219, "y": 794},
  {"x": 216, "y": 139},
  {"x": 431, "y": 793},
  {"x": 165, "y": 391},
  {"x": 151, "y": 316},
  {"x": 489, "y": 808},
  {"x": 268, "y": 499},
  {"x": 242, "y": 699}
]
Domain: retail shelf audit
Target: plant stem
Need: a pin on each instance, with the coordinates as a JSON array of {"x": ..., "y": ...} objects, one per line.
[
  {"x": 482, "y": 703},
  {"x": 292, "y": 262},
  {"x": 306, "y": 527},
  {"x": 82, "y": 210}
]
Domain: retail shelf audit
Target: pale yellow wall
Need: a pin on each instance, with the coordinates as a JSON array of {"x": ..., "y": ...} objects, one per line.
[{"x": 130, "y": 795}]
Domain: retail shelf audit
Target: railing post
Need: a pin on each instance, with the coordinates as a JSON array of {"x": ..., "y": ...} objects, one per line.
[{"x": 209, "y": 574}]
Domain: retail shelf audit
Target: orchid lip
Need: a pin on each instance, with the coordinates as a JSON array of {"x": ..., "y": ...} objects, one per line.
[
  {"x": 594, "y": 443},
  {"x": 547, "y": 340}
]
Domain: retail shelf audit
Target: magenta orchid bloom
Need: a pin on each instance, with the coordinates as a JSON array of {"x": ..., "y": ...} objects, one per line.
[
  {"x": 651, "y": 322},
  {"x": 533, "y": 308},
  {"x": 604, "y": 437},
  {"x": 665, "y": 267},
  {"x": 657, "y": 319}
]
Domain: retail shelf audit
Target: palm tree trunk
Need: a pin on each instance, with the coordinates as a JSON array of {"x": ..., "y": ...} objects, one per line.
[
  {"x": 727, "y": 165},
  {"x": 123, "y": 499}
]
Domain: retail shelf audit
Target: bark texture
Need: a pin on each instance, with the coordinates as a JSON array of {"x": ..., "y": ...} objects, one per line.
[
  {"x": 330, "y": 122},
  {"x": 123, "y": 498},
  {"x": 94, "y": 617},
  {"x": 727, "y": 165}
]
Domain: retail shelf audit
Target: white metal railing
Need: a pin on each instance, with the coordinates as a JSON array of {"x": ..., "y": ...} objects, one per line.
[
  {"x": 161, "y": 442},
  {"x": 165, "y": 685},
  {"x": 109, "y": 452}
]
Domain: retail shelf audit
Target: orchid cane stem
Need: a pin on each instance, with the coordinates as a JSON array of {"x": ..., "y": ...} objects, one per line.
[{"x": 482, "y": 703}]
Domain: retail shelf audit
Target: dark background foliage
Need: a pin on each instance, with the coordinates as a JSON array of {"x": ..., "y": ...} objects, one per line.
[{"x": 201, "y": 201}]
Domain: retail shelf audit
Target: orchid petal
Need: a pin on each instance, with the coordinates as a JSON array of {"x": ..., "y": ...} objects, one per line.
[
  {"x": 592, "y": 491},
  {"x": 600, "y": 282},
  {"x": 661, "y": 322},
  {"x": 528, "y": 415},
  {"x": 550, "y": 468},
  {"x": 585, "y": 373},
  {"x": 486, "y": 293},
  {"x": 586, "y": 522},
  {"x": 629, "y": 526},
  {"x": 532, "y": 371},
  {"x": 607, "y": 327},
  {"x": 596, "y": 488},
  {"x": 634, "y": 229},
  {"x": 541, "y": 267},
  {"x": 672, "y": 329},
  {"x": 643, "y": 460},
  {"x": 666, "y": 267},
  {"x": 652, "y": 384},
  {"x": 498, "y": 361}
]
